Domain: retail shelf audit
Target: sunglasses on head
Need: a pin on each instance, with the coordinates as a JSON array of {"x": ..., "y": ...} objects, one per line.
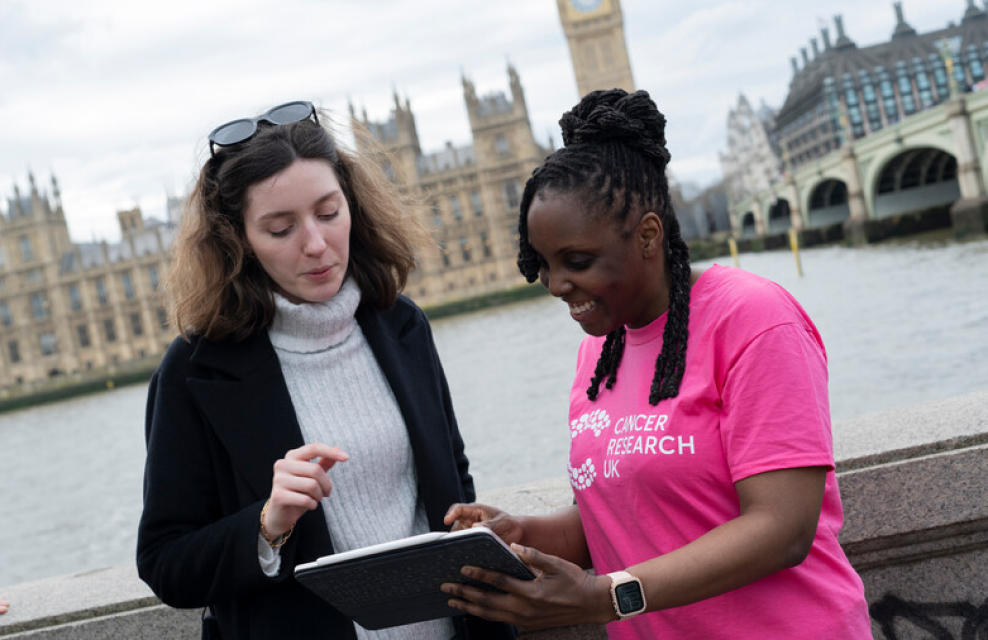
[{"x": 242, "y": 130}]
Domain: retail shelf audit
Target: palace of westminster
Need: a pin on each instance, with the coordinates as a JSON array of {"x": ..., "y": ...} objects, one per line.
[{"x": 67, "y": 308}]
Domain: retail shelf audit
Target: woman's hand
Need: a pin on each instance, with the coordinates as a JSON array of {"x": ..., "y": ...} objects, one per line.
[
  {"x": 299, "y": 483},
  {"x": 463, "y": 516},
  {"x": 561, "y": 594}
]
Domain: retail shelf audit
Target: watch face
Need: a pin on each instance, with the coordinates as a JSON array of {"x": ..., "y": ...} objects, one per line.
[
  {"x": 585, "y": 5},
  {"x": 629, "y": 597}
]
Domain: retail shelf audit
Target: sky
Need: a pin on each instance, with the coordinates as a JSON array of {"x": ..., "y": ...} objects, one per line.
[{"x": 115, "y": 98}]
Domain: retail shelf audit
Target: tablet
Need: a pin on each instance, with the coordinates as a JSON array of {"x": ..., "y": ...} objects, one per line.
[{"x": 398, "y": 582}]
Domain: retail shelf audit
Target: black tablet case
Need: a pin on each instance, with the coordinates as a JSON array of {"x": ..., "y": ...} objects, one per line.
[{"x": 401, "y": 586}]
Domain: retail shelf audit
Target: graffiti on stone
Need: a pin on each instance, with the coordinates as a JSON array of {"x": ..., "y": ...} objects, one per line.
[{"x": 900, "y": 619}]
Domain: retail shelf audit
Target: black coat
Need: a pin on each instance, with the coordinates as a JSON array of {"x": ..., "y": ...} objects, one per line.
[{"x": 218, "y": 416}]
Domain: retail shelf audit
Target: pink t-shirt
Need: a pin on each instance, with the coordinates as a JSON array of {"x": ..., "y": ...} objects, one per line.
[{"x": 649, "y": 479}]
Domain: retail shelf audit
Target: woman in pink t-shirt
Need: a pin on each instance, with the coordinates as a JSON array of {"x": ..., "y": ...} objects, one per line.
[{"x": 701, "y": 458}]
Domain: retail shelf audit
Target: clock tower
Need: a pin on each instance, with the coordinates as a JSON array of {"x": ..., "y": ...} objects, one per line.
[{"x": 595, "y": 32}]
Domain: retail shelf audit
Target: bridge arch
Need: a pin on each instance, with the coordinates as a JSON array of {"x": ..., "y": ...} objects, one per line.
[
  {"x": 748, "y": 227},
  {"x": 828, "y": 203},
  {"x": 914, "y": 179},
  {"x": 779, "y": 216}
]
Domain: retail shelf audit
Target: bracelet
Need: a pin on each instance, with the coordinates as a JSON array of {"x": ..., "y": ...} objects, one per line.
[{"x": 280, "y": 540}]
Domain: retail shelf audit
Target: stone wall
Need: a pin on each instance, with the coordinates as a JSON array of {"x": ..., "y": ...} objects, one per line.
[{"x": 916, "y": 529}]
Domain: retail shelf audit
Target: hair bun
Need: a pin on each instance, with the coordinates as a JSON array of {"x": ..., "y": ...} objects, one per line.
[{"x": 616, "y": 116}]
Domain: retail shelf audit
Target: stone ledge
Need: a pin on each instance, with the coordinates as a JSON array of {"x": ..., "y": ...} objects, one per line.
[{"x": 922, "y": 494}]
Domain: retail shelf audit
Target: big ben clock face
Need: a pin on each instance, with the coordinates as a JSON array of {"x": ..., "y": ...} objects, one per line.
[{"x": 585, "y": 5}]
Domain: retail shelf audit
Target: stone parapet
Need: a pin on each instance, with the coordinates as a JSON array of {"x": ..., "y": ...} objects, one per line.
[{"x": 916, "y": 529}]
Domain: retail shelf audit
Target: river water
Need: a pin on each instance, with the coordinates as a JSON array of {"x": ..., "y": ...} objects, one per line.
[{"x": 903, "y": 322}]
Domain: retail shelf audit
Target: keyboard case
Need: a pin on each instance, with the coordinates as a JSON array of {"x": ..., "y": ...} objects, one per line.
[{"x": 398, "y": 583}]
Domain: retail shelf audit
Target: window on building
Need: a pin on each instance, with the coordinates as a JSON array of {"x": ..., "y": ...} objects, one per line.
[
  {"x": 960, "y": 76},
  {"x": 485, "y": 244},
  {"x": 939, "y": 77},
  {"x": 128, "y": 285},
  {"x": 101, "y": 293},
  {"x": 136, "y": 326},
  {"x": 82, "y": 331},
  {"x": 857, "y": 122},
  {"x": 905, "y": 90},
  {"x": 1, "y": 257},
  {"x": 437, "y": 216},
  {"x": 27, "y": 252},
  {"x": 974, "y": 65},
  {"x": 14, "y": 351},
  {"x": 501, "y": 145},
  {"x": 870, "y": 102},
  {"x": 923, "y": 86},
  {"x": 464, "y": 249},
  {"x": 476, "y": 204},
  {"x": 511, "y": 199},
  {"x": 454, "y": 207},
  {"x": 109, "y": 330},
  {"x": 6, "y": 319},
  {"x": 48, "y": 343},
  {"x": 162, "y": 318},
  {"x": 444, "y": 253},
  {"x": 34, "y": 276},
  {"x": 75, "y": 297},
  {"x": 39, "y": 306},
  {"x": 153, "y": 279},
  {"x": 889, "y": 104}
]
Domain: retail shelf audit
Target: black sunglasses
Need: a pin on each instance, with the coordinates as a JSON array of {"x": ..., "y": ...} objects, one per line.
[{"x": 244, "y": 129}]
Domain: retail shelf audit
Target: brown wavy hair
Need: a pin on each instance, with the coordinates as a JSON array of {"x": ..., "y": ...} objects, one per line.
[{"x": 218, "y": 288}]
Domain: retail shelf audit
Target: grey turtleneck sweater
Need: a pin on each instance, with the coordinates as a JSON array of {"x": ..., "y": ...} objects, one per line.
[{"x": 342, "y": 399}]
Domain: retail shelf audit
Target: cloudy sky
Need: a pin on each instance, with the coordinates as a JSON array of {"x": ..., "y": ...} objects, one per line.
[{"x": 116, "y": 97}]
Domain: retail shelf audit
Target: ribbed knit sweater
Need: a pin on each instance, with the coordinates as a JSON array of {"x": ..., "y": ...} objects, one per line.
[{"x": 342, "y": 399}]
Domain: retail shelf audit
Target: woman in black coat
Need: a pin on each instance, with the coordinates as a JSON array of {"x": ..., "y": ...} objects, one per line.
[{"x": 261, "y": 446}]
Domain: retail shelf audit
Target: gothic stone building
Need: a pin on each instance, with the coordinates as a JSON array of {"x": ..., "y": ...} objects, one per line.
[
  {"x": 843, "y": 91},
  {"x": 67, "y": 308},
  {"x": 472, "y": 192}
]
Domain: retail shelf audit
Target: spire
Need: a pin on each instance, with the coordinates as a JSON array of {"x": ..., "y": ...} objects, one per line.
[
  {"x": 795, "y": 64},
  {"x": 30, "y": 179},
  {"x": 973, "y": 12},
  {"x": 513, "y": 74},
  {"x": 469, "y": 91},
  {"x": 825, "y": 34},
  {"x": 902, "y": 28},
  {"x": 843, "y": 42},
  {"x": 56, "y": 191},
  {"x": 815, "y": 47},
  {"x": 806, "y": 57}
]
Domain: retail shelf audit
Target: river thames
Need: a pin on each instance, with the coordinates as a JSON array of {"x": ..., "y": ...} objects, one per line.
[{"x": 904, "y": 322}]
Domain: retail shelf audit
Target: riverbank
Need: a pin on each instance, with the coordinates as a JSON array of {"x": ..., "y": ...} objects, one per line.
[
  {"x": 920, "y": 224},
  {"x": 72, "y": 385},
  {"x": 934, "y": 219},
  {"x": 68, "y": 386}
]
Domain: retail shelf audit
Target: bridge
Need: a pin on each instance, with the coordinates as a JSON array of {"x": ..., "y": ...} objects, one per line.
[{"x": 934, "y": 159}]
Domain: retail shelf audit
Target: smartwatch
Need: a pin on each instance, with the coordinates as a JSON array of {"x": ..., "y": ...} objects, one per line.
[{"x": 627, "y": 594}]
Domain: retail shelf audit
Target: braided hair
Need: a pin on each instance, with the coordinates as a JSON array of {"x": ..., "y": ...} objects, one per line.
[{"x": 615, "y": 153}]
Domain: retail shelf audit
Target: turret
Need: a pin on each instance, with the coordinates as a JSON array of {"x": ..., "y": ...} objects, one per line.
[
  {"x": 843, "y": 42},
  {"x": 902, "y": 28}
]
